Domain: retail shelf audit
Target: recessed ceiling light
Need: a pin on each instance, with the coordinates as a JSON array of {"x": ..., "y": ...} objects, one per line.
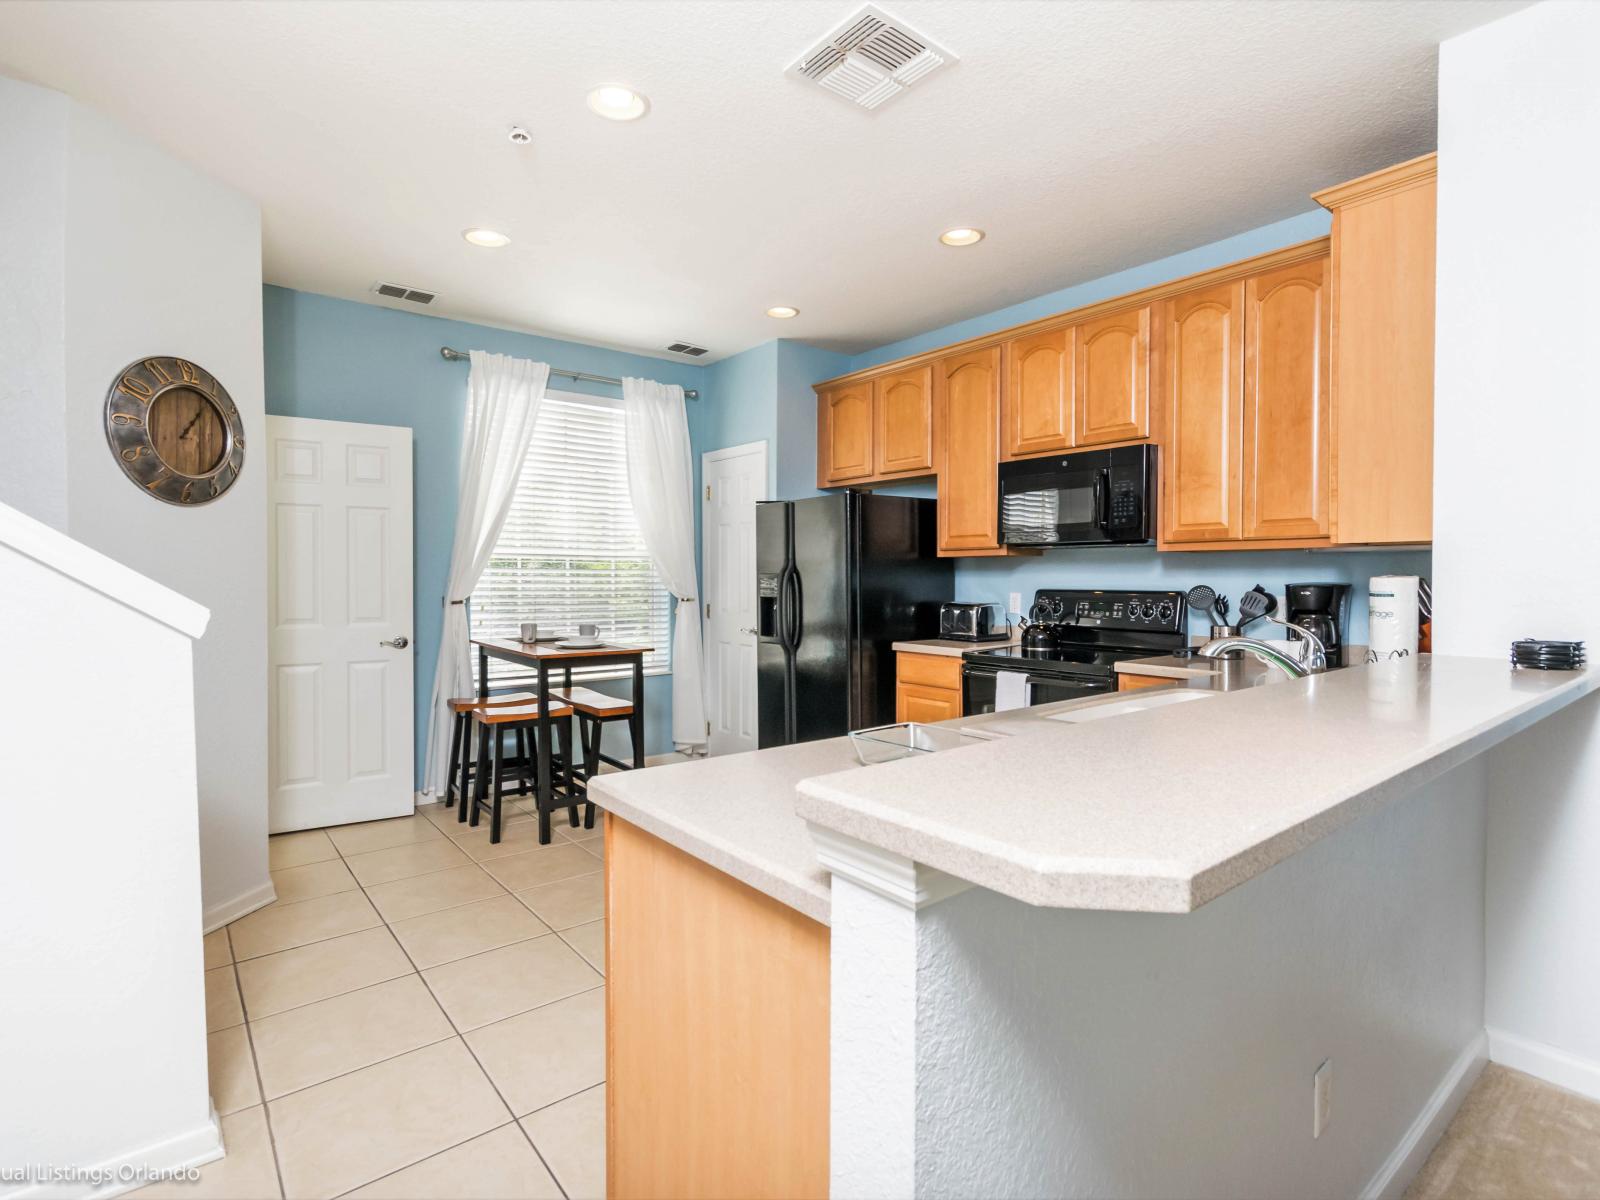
[
  {"x": 782, "y": 312},
  {"x": 493, "y": 239},
  {"x": 961, "y": 237},
  {"x": 618, "y": 103}
]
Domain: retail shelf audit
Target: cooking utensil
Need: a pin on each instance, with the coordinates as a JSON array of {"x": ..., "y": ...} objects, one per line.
[
  {"x": 1220, "y": 610},
  {"x": 1202, "y": 597},
  {"x": 1255, "y": 604}
]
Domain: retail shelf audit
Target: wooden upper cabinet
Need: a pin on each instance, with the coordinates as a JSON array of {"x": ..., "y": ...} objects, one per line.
[
  {"x": 1202, "y": 393},
  {"x": 1383, "y": 318},
  {"x": 1036, "y": 414},
  {"x": 1286, "y": 402},
  {"x": 903, "y": 411},
  {"x": 844, "y": 434},
  {"x": 1112, "y": 372},
  {"x": 967, "y": 396}
]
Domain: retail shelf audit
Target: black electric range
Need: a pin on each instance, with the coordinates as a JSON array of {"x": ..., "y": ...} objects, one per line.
[{"x": 1090, "y": 632}]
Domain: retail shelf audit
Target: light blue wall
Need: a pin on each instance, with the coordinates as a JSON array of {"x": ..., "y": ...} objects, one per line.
[
  {"x": 799, "y": 366},
  {"x": 1230, "y": 573},
  {"x": 341, "y": 361}
]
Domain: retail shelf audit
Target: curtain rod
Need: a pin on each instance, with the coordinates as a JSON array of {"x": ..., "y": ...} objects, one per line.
[{"x": 450, "y": 355}]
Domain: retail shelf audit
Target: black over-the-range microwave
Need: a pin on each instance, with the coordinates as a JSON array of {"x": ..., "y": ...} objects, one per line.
[{"x": 1087, "y": 498}]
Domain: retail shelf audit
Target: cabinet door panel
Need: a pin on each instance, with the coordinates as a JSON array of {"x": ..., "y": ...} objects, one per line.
[
  {"x": 914, "y": 702},
  {"x": 903, "y": 408},
  {"x": 967, "y": 388},
  {"x": 1203, "y": 382},
  {"x": 845, "y": 453},
  {"x": 1286, "y": 407},
  {"x": 1037, "y": 414},
  {"x": 1112, "y": 397}
]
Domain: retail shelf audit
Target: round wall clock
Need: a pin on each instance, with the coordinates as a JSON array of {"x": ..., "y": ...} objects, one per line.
[{"x": 175, "y": 430}]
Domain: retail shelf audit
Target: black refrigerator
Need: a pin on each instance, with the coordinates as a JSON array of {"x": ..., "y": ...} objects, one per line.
[{"x": 839, "y": 579}]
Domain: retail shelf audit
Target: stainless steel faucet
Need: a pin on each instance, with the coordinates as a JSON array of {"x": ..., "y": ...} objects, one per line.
[{"x": 1264, "y": 651}]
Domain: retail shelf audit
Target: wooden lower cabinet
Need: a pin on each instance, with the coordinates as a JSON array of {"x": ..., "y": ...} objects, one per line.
[
  {"x": 927, "y": 687},
  {"x": 716, "y": 1031},
  {"x": 1132, "y": 683}
]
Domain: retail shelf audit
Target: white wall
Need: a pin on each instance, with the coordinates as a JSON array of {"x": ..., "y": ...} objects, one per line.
[
  {"x": 156, "y": 258},
  {"x": 102, "y": 1016},
  {"x": 1517, "y": 524},
  {"x": 1132, "y": 1055},
  {"x": 33, "y": 131}
]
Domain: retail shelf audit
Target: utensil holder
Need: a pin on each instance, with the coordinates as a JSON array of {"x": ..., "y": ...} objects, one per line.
[{"x": 1226, "y": 631}]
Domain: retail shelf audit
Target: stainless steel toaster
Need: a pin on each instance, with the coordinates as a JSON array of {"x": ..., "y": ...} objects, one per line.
[{"x": 973, "y": 622}]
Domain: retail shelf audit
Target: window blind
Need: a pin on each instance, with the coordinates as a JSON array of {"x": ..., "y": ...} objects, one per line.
[{"x": 570, "y": 551}]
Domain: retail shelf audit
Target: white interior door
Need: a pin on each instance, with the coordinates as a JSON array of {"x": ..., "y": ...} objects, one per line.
[
  {"x": 734, "y": 479},
  {"x": 340, "y": 708}
]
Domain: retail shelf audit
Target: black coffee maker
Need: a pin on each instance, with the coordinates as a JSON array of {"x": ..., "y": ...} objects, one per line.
[{"x": 1324, "y": 609}]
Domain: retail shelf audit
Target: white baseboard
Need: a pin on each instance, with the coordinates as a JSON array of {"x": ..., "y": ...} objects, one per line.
[
  {"x": 192, "y": 1148},
  {"x": 219, "y": 915},
  {"x": 1545, "y": 1062},
  {"x": 1403, "y": 1163}
]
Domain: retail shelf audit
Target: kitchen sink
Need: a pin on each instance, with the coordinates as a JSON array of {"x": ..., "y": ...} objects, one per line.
[{"x": 1119, "y": 708}]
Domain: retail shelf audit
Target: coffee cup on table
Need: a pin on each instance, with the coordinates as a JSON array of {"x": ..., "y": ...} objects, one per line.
[
  {"x": 588, "y": 632},
  {"x": 530, "y": 631}
]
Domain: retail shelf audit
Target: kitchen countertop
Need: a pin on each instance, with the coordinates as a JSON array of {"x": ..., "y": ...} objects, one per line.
[
  {"x": 953, "y": 647},
  {"x": 1166, "y": 809},
  {"x": 737, "y": 814}
]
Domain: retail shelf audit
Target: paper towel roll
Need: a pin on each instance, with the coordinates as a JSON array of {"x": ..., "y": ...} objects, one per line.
[{"x": 1391, "y": 617}]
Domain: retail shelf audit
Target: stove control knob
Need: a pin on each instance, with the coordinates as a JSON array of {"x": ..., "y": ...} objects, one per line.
[
  {"x": 1147, "y": 611},
  {"x": 1166, "y": 611}
]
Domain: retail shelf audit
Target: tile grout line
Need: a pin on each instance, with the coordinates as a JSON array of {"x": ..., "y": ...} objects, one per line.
[{"x": 261, "y": 1091}]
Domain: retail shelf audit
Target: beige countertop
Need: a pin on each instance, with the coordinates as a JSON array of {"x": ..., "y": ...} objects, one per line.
[
  {"x": 1165, "y": 809},
  {"x": 737, "y": 814},
  {"x": 953, "y": 647}
]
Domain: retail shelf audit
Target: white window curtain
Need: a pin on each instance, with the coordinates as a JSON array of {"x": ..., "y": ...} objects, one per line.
[
  {"x": 503, "y": 398},
  {"x": 661, "y": 485}
]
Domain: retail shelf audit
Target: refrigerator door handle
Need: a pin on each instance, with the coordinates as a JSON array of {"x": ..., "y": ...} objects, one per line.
[{"x": 793, "y": 623}]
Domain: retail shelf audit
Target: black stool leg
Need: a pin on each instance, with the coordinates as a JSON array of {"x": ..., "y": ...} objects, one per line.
[
  {"x": 591, "y": 767},
  {"x": 494, "y": 771},
  {"x": 522, "y": 760},
  {"x": 564, "y": 736},
  {"x": 480, "y": 782},
  {"x": 455, "y": 761}
]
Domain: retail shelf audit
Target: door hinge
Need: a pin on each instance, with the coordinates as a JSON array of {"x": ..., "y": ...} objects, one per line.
[
  {"x": 708, "y": 610},
  {"x": 708, "y": 491},
  {"x": 708, "y": 728}
]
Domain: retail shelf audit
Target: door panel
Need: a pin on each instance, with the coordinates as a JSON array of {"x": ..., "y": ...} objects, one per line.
[
  {"x": 915, "y": 702},
  {"x": 734, "y": 481},
  {"x": 844, "y": 451},
  {"x": 967, "y": 389},
  {"x": 1286, "y": 406},
  {"x": 341, "y": 710},
  {"x": 1203, "y": 382},
  {"x": 822, "y": 659},
  {"x": 903, "y": 410},
  {"x": 1038, "y": 403},
  {"x": 1112, "y": 396}
]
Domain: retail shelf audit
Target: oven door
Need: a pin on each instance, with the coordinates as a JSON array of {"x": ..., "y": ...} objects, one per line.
[
  {"x": 978, "y": 687},
  {"x": 1054, "y": 501}
]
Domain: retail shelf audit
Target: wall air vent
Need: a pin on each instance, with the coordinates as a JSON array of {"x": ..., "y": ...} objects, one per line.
[
  {"x": 870, "y": 59},
  {"x": 687, "y": 349},
  {"x": 397, "y": 291}
]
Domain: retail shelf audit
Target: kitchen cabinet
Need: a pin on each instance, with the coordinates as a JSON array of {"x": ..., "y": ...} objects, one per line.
[
  {"x": 1132, "y": 683},
  {"x": 1203, "y": 389},
  {"x": 1286, "y": 402},
  {"x": 1111, "y": 373},
  {"x": 903, "y": 436},
  {"x": 717, "y": 1015},
  {"x": 927, "y": 687},
  {"x": 1382, "y": 379},
  {"x": 1036, "y": 412},
  {"x": 844, "y": 434},
  {"x": 966, "y": 391}
]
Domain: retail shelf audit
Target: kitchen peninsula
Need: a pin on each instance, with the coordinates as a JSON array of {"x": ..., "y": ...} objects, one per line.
[{"x": 1042, "y": 955}]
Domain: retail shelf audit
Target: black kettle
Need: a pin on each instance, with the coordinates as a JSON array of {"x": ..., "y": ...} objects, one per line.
[{"x": 1040, "y": 635}]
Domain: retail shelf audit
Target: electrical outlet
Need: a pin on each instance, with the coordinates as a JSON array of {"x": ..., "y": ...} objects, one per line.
[
  {"x": 1014, "y": 602},
  {"x": 1322, "y": 1097}
]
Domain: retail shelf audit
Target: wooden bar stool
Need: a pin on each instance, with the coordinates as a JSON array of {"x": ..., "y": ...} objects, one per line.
[
  {"x": 595, "y": 711},
  {"x": 522, "y": 719},
  {"x": 459, "y": 779}
]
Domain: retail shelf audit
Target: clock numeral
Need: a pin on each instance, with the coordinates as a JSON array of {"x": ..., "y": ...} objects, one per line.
[
  {"x": 190, "y": 373},
  {"x": 137, "y": 388},
  {"x": 187, "y": 488},
  {"x": 157, "y": 370},
  {"x": 125, "y": 419},
  {"x": 132, "y": 454},
  {"x": 215, "y": 490},
  {"x": 160, "y": 478}
]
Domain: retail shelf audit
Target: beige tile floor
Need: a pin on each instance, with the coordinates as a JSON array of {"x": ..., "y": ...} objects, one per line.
[{"x": 419, "y": 1014}]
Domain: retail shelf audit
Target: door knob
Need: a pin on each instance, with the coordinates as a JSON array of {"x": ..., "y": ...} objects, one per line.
[
  {"x": 742, "y": 629},
  {"x": 399, "y": 643}
]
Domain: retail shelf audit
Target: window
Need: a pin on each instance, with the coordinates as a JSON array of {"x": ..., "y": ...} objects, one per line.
[{"x": 570, "y": 551}]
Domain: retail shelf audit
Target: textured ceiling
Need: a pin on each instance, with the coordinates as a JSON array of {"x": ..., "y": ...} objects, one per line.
[{"x": 1084, "y": 137}]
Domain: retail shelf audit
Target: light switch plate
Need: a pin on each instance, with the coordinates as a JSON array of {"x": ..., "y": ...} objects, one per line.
[
  {"x": 1014, "y": 602},
  {"x": 1322, "y": 1097}
]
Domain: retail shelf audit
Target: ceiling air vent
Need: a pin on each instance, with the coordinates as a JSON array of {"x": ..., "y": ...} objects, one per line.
[
  {"x": 870, "y": 58},
  {"x": 397, "y": 291},
  {"x": 686, "y": 348}
]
